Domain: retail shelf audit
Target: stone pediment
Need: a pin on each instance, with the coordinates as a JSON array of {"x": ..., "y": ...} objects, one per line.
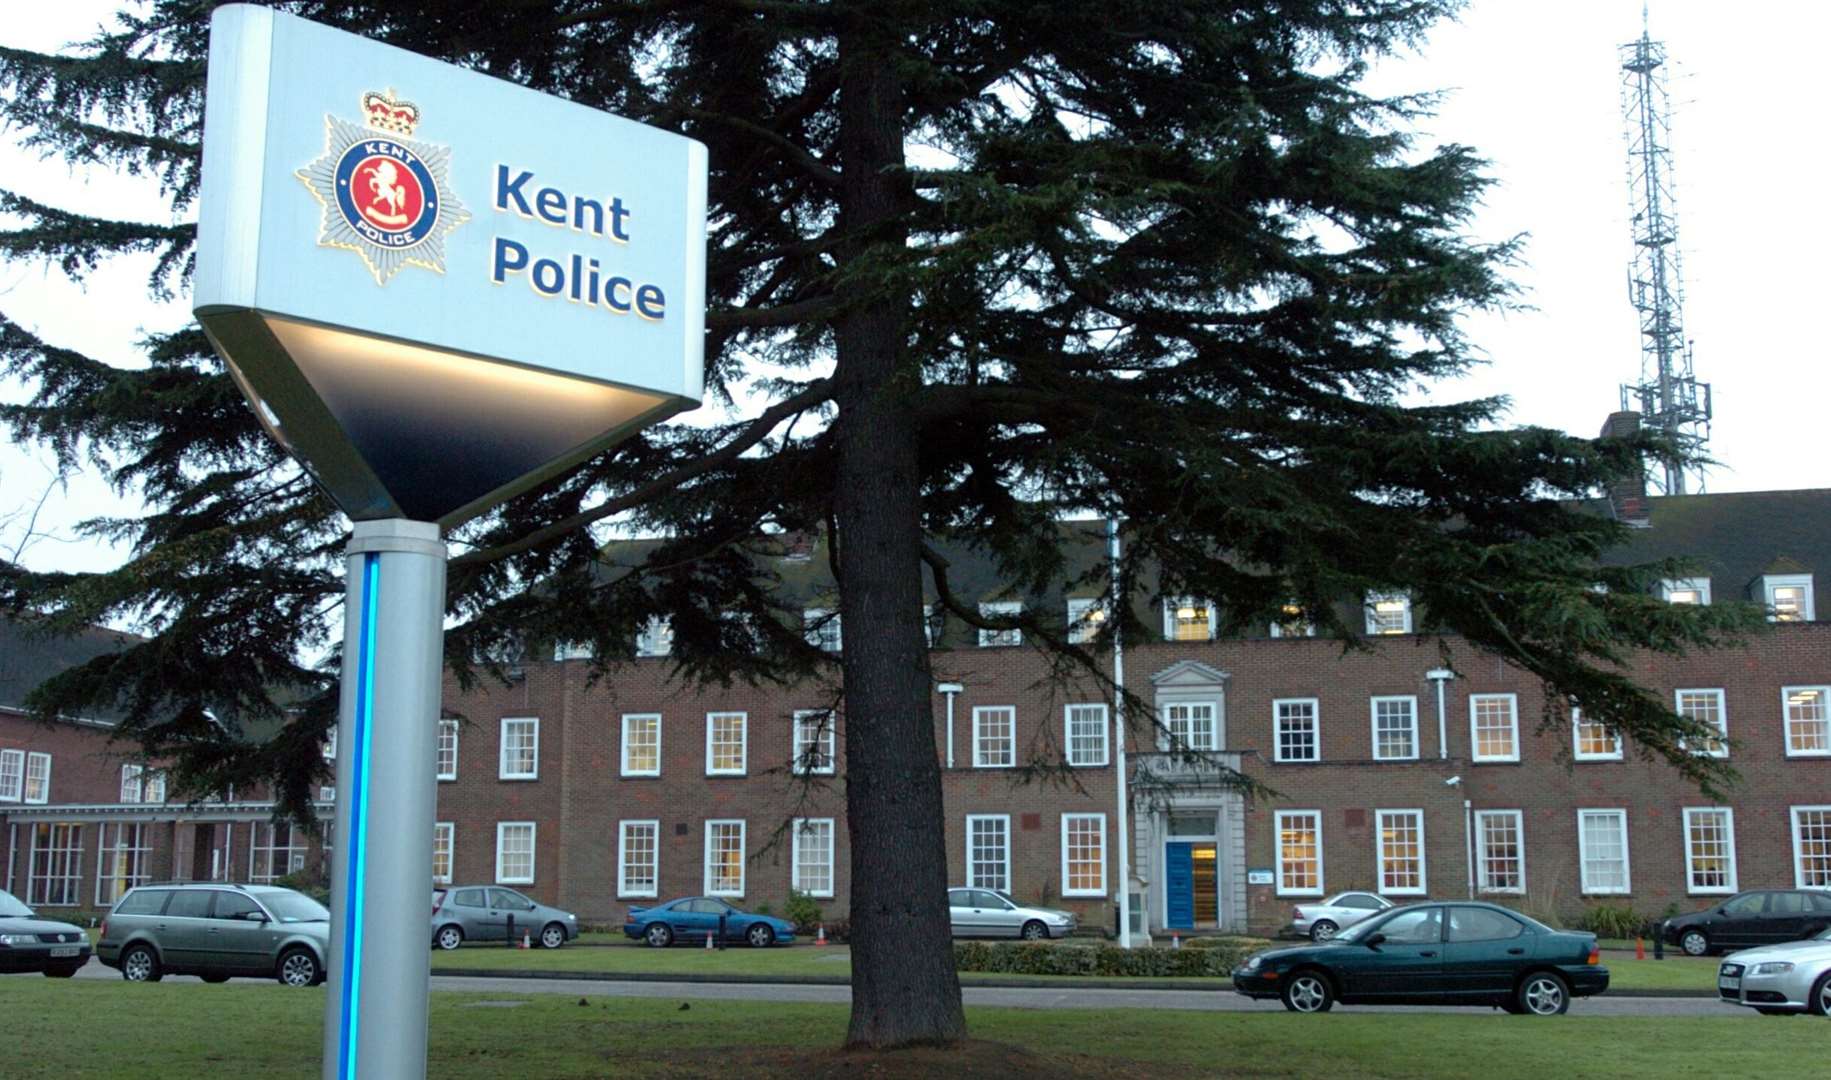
[{"x": 1189, "y": 674}]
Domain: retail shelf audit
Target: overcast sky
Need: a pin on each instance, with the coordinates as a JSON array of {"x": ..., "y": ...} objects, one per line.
[{"x": 1533, "y": 85}]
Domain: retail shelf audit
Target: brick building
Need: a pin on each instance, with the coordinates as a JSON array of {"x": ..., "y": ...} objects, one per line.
[{"x": 1405, "y": 769}]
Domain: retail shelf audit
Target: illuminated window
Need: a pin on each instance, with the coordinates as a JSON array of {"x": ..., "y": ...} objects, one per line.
[
  {"x": 1299, "y": 852},
  {"x": 641, "y": 744},
  {"x": 1686, "y": 590},
  {"x": 812, "y": 857},
  {"x": 988, "y": 851},
  {"x": 1086, "y": 617},
  {"x": 1291, "y": 623},
  {"x": 1808, "y": 731},
  {"x": 1401, "y": 852},
  {"x": 1388, "y": 613},
  {"x": 1187, "y": 619},
  {"x": 1494, "y": 726},
  {"x": 1006, "y": 609},
  {"x": 1083, "y": 854},
  {"x": 1395, "y": 728},
  {"x": 821, "y": 628},
  {"x": 520, "y": 749},
  {"x": 1710, "y": 849},
  {"x": 638, "y": 855},
  {"x": 1707, "y": 708},
  {"x": 1299, "y": 737},
  {"x": 155, "y": 786},
  {"x": 1191, "y": 726},
  {"x": 515, "y": 853},
  {"x": 994, "y": 737},
  {"x": 1789, "y": 597},
  {"x": 816, "y": 738},
  {"x": 126, "y": 860},
  {"x": 443, "y": 835},
  {"x": 1500, "y": 851},
  {"x": 1602, "y": 850},
  {"x": 448, "y": 749},
  {"x": 37, "y": 778},
  {"x": 725, "y": 858},
  {"x": 1086, "y": 734},
  {"x": 727, "y": 744},
  {"x": 1811, "y": 847},
  {"x": 1595, "y": 741}
]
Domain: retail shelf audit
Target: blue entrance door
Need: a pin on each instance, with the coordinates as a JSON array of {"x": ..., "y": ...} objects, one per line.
[{"x": 1179, "y": 886}]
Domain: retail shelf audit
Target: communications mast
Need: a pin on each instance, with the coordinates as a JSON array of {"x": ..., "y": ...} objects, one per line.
[{"x": 1668, "y": 396}]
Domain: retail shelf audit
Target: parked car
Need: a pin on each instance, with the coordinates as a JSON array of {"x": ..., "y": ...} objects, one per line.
[
  {"x": 1322, "y": 920},
  {"x": 493, "y": 913},
  {"x": 29, "y": 943},
  {"x": 1750, "y": 919},
  {"x": 216, "y": 931},
  {"x": 1433, "y": 954},
  {"x": 691, "y": 918},
  {"x": 1775, "y": 980},
  {"x": 989, "y": 913}
]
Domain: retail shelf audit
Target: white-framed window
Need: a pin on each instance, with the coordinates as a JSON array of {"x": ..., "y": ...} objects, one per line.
[
  {"x": 520, "y": 748},
  {"x": 1299, "y": 852},
  {"x": 1602, "y": 851},
  {"x": 1811, "y": 847},
  {"x": 1292, "y": 623},
  {"x": 934, "y": 624},
  {"x": 329, "y": 749},
  {"x": 37, "y": 777},
  {"x": 515, "y": 852},
  {"x": 1191, "y": 725},
  {"x": 1400, "y": 851},
  {"x": 1083, "y": 854},
  {"x": 656, "y": 638},
  {"x": 1297, "y": 727},
  {"x": 448, "y": 750},
  {"x": 727, "y": 743},
  {"x": 641, "y": 753},
  {"x": 1685, "y": 590},
  {"x": 1395, "y": 728},
  {"x": 1084, "y": 734},
  {"x": 444, "y": 839},
  {"x": 988, "y": 851},
  {"x": 1388, "y": 613},
  {"x": 725, "y": 857},
  {"x": 812, "y": 856},
  {"x": 638, "y": 858},
  {"x": 821, "y": 628},
  {"x": 572, "y": 650},
  {"x": 275, "y": 849},
  {"x": 1707, "y": 707},
  {"x": 1710, "y": 850},
  {"x": 124, "y": 860},
  {"x": 154, "y": 791},
  {"x": 1593, "y": 740},
  {"x": 1500, "y": 851},
  {"x": 1808, "y": 725},
  {"x": 12, "y": 775},
  {"x": 816, "y": 743},
  {"x": 994, "y": 737},
  {"x": 131, "y": 783},
  {"x": 1186, "y": 618},
  {"x": 1494, "y": 726},
  {"x": 54, "y": 870},
  {"x": 1000, "y": 609},
  {"x": 1789, "y": 597},
  {"x": 1086, "y": 617}
]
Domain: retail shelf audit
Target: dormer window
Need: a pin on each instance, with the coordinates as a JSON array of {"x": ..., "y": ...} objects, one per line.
[
  {"x": 656, "y": 638},
  {"x": 1788, "y": 597},
  {"x": 1004, "y": 609},
  {"x": 1187, "y": 619},
  {"x": 821, "y": 625},
  {"x": 1291, "y": 623},
  {"x": 1686, "y": 591},
  {"x": 1086, "y": 618},
  {"x": 1388, "y": 613},
  {"x": 933, "y": 623}
]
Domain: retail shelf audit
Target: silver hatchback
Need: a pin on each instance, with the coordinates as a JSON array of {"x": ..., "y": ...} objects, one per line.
[
  {"x": 216, "y": 931},
  {"x": 988, "y": 913},
  {"x": 493, "y": 913}
]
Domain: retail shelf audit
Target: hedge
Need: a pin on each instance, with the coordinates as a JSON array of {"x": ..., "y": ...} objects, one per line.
[{"x": 1215, "y": 957}]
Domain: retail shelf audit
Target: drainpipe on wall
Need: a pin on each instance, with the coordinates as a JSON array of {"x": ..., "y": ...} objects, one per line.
[
  {"x": 1125, "y": 861},
  {"x": 1441, "y": 676},
  {"x": 12, "y": 849},
  {"x": 950, "y": 689},
  {"x": 1468, "y": 842}
]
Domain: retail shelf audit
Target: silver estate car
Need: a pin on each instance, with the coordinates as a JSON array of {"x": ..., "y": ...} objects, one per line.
[
  {"x": 493, "y": 913},
  {"x": 1777, "y": 979},
  {"x": 1323, "y": 919},
  {"x": 987, "y": 913},
  {"x": 216, "y": 930}
]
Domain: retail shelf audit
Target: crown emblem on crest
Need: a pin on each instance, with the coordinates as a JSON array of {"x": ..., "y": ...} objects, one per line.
[{"x": 386, "y": 113}]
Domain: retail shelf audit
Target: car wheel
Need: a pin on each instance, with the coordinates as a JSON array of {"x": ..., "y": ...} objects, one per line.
[
  {"x": 658, "y": 935},
  {"x": 214, "y": 978},
  {"x": 1034, "y": 930},
  {"x": 1695, "y": 943},
  {"x": 298, "y": 967},
  {"x": 138, "y": 964},
  {"x": 1544, "y": 993},
  {"x": 552, "y": 936},
  {"x": 1308, "y": 992},
  {"x": 60, "y": 973},
  {"x": 1323, "y": 930},
  {"x": 1820, "y": 1001},
  {"x": 760, "y": 936},
  {"x": 448, "y": 937}
]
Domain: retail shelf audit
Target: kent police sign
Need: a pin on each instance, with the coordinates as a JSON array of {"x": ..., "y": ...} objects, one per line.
[{"x": 438, "y": 288}]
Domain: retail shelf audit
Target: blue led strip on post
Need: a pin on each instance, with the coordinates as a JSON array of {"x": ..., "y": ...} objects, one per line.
[{"x": 359, "y": 822}]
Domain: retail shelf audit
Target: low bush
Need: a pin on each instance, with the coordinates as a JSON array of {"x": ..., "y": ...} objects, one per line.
[
  {"x": 1215, "y": 957},
  {"x": 1615, "y": 921},
  {"x": 803, "y": 911}
]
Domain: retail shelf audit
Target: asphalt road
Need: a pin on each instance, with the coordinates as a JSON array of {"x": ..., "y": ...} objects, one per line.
[{"x": 1026, "y": 998}]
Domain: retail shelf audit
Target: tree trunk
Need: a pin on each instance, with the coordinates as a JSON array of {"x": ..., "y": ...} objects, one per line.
[{"x": 904, "y": 990}]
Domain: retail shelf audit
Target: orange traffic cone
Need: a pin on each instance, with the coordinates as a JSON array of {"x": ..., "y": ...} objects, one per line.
[
  {"x": 820, "y": 938},
  {"x": 708, "y": 939},
  {"x": 524, "y": 939},
  {"x": 1640, "y": 948}
]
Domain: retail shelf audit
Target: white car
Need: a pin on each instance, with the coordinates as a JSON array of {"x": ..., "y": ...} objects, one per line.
[
  {"x": 1322, "y": 920},
  {"x": 1775, "y": 980},
  {"x": 988, "y": 913}
]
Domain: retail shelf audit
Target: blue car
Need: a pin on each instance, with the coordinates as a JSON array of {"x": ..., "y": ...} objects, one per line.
[{"x": 691, "y": 918}]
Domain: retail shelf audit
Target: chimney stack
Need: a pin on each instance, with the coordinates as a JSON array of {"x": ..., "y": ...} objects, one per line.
[{"x": 1627, "y": 496}]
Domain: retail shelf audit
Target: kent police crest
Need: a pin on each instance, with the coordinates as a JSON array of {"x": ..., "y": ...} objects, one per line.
[{"x": 386, "y": 196}]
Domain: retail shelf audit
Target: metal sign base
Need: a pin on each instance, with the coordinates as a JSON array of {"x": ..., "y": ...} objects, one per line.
[{"x": 387, "y": 746}]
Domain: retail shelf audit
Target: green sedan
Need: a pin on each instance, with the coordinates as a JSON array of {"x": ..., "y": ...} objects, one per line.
[{"x": 1433, "y": 954}]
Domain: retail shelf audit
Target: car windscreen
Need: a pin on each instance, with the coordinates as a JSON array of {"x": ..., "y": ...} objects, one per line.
[
  {"x": 11, "y": 908},
  {"x": 291, "y": 907},
  {"x": 1823, "y": 935}
]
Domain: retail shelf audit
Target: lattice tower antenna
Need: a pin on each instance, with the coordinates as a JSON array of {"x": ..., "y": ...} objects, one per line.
[{"x": 1668, "y": 395}]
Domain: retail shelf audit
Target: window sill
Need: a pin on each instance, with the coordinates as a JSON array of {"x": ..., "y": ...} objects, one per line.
[
  {"x": 637, "y": 895},
  {"x": 517, "y": 779},
  {"x": 1494, "y": 761},
  {"x": 639, "y": 776},
  {"x": 727, "y": 773},
  {"x": 1588, "y": 759},
  {"x": 1298, "y": 892}
]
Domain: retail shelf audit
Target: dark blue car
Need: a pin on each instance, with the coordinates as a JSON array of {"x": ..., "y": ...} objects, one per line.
[{"x": 692, "y": 918}]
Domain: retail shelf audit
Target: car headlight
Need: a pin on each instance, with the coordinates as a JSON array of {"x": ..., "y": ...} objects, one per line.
[
  {"x": 1776, "y": 967},
  {"x": 18, "y": 939},
  {"x": 1253, "y": 962}
]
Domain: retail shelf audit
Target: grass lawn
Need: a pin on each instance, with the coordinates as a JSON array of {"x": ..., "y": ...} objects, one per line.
[
  {"x": 96, "y": 1029},
  {"x": 1626, "y": 974}
]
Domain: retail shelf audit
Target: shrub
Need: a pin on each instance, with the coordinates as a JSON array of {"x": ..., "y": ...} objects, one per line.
[
  {"x": 1215, "y": 958},
  {"x": 802, "y": 911},
  {"x": 1615, "y": 921},
  {"x": 312, "y": 884}
]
